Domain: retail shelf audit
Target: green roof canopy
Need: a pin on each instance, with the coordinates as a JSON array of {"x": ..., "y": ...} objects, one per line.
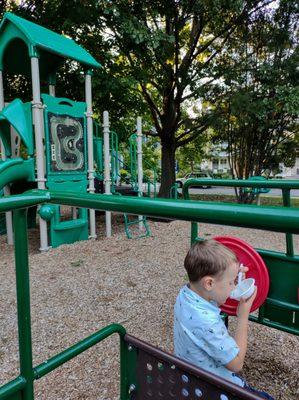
[{"x": 21, "y": 39}]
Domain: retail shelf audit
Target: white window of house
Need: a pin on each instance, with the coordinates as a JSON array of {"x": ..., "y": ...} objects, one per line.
[{"x": 215, "y": 163}]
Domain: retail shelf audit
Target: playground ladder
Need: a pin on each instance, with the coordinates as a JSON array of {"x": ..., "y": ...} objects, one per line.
[
  {"x": 128, "y": 223},
  {"x": 136, "y": 221}
]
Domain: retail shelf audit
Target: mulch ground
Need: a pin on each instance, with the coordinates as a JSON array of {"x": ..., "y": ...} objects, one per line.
[{"x": 77, "y": 289}]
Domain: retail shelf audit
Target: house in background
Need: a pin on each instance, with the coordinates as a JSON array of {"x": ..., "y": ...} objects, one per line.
[
  {"x": 287, "y": 172},
  {"x": 218, "y": 161}
]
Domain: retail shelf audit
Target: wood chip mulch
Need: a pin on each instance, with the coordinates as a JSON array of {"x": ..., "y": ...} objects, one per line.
[{"x": 77, "y": 289}]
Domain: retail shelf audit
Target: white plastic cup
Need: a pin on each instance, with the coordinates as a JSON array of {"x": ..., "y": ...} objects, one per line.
[{"x": 244, "y": 289}]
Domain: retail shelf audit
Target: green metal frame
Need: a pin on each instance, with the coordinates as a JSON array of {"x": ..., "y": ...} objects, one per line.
[
  {"x": 281, "y": 308},
  {"x": 98, "y": 150},
  {"x": 133, "y": 161},
  {"x": 174, "y": 194},
  {"x": 136, "y": 221},
  {"x": 279, "y": 219},
  {"x": 114, "y": 159}
]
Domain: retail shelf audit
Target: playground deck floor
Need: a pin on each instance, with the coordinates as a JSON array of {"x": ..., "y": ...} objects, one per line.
[{"x": 77, "y": 289}]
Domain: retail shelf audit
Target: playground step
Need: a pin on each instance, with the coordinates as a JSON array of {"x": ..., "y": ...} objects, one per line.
[{"x": 75, "y": 223}]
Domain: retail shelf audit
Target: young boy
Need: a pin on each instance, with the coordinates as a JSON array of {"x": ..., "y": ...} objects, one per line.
[{"x": 200, "y": 335}]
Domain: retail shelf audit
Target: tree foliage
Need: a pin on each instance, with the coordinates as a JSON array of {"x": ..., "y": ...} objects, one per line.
[
  {"x": 167, "y": 48},
  {"x": 256, "y": 101},
  {"x": 161, "y": 59},
  {"x": 191, "y": 155},
  {"x": 112, "y": 89}
]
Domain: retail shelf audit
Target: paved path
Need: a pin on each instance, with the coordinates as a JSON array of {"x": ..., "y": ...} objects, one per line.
[{"x": 229, "y": 191}]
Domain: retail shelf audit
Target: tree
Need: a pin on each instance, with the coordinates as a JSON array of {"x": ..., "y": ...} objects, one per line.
[
  {"x": 256, "y": 102},
  {"x": 167, "y": 47},
  {"x": 112, "y": 90},
  {"x": 191, "y": 155},
  {"x": 158, "y": 58}
]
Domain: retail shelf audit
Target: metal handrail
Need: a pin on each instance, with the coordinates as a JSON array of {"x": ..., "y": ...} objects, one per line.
[
  {"x": 277, "y": 219},
  {"x": 285, "y": 185},
  {"x": 277, "y": 184}
]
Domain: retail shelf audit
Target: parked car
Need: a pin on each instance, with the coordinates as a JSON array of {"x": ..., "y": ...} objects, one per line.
[
  {"x": 195, "y": 175},
  {"x": 280, "y": 175}
]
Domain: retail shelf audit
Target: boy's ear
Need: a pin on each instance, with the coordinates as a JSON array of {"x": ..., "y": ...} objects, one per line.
[{"x": 207, "y": 282}]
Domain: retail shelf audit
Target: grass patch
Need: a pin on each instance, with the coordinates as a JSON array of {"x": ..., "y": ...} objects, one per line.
[
  {"x": 77, "y": 263},
  {"x": 265, "y": 201}
]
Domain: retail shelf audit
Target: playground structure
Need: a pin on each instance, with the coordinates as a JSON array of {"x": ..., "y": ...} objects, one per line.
[
  {"x": 108, "y": 176},
  {"x": 56, "y": 134},
  {"x": 145, "y": 370},
  {"x": 65, "y": 172}
]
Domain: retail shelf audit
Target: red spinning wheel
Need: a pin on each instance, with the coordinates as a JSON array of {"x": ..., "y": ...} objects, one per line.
[{"x": 256, "y": 269}]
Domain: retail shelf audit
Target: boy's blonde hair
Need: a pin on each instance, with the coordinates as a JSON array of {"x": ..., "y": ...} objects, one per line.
[{"x": 207, "y": 257}]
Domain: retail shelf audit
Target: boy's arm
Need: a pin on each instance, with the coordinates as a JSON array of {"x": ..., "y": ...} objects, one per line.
[{"x": 241, "y": 333}]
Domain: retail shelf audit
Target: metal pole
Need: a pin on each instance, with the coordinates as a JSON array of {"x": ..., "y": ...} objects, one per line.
[
  {"x": 23, "y": 301},
  {"x": 15, "y": 143},
  {"x": 139, "y": 164},
  {"x": 52, "y": 90},
  {"x": 107, "y": 178},
  {"x": 6, "y": 190},
  {"x": 88, "y": 99},
  {"x": 37, "y": 114},
  {"x": 52, "y": 83},
  {"x": 289, "y": 237}
]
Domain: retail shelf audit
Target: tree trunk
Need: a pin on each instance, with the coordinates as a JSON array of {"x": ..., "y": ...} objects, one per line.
[{"x": 168, "y": 168}]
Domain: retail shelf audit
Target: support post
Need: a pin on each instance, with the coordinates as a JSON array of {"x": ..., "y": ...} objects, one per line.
[
  {"x": 52, "y": 83},
  {"x": 6, "y": 190},
  {"x": 139, "y": 163},
  {"x": 23, "y": 301},
  {"x": 88, "y": 99},
  {"x": 52, "y": 90},
  {"x": 286, "y": 196},
  {"x": 37, "y": 114},
  {"x": 107, "y": 175}
]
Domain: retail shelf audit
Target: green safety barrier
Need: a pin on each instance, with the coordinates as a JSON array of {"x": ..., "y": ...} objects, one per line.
[
  {"x": 279, "y": 219},
  {"x": 281, "y": 309}
]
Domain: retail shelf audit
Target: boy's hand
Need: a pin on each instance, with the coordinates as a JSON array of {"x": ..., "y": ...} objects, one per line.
[
  {"x": 243, "y": 269},
  {"x": 244, "y": 306}
]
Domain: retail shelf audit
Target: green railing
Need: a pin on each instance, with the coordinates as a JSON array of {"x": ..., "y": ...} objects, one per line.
[
  {"x": 114, "y": 157},
  {"x": 22, "y": 386},
  {"x": 283, "y": 185},
  {"x": 251, "y": 216},
  {"x": 281, "y": 309}
]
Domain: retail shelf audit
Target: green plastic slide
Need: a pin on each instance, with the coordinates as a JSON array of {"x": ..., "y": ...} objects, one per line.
[{"x": 16, "y": 169}]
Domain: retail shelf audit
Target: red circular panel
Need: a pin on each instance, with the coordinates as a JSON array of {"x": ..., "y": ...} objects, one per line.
[{"x": 256, "y": 269}]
